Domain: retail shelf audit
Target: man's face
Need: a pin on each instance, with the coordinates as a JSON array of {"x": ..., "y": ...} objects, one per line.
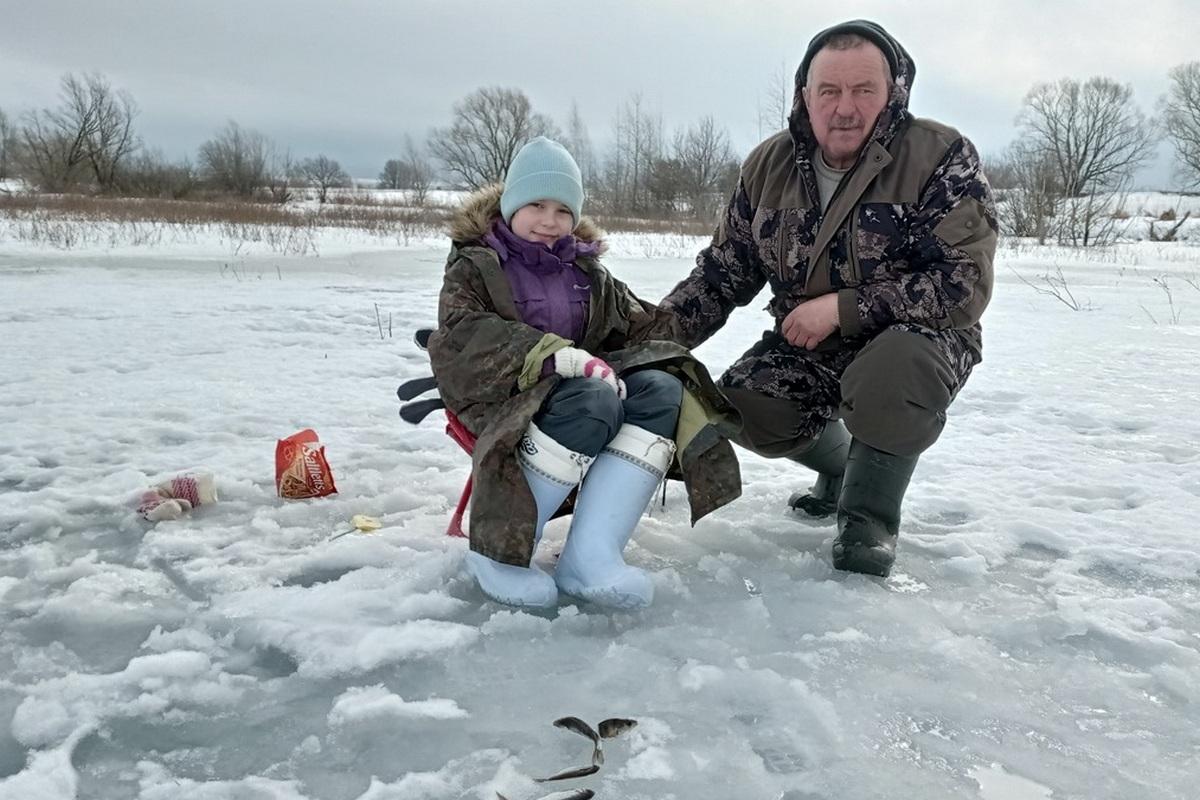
[{"x": 846, "y": 91}]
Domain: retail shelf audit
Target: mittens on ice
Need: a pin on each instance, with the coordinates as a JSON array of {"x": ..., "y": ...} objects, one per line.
[{"x": 172, "y": 499}]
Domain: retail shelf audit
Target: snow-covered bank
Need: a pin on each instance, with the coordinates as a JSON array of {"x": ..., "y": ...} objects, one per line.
[
  {"x": 1042, "y": 630},
  {"x": 36, "y": 235}
]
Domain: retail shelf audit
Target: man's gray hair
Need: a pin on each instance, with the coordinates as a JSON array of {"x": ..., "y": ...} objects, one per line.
[
  {"x": 845, "y": 41},
  {"x": 850, "y": 41}
]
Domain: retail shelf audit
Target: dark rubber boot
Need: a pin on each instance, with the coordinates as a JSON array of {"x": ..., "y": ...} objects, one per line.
[
  {"x": 873, "y": 489},
  {"x": 827, "y": 457}
]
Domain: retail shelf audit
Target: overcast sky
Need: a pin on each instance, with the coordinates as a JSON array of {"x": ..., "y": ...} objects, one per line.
[{"x": 350, "y": 78}]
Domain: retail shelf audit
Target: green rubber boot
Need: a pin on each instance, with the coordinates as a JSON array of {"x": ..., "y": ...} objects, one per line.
[
  {"x": 873, "y": 487},
  {"x": 827, "y": 457}
]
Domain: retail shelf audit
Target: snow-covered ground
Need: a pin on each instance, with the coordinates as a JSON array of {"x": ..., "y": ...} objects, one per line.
[
  {"x": 1133, "y": 216},
  {"x": 1040, "y": 637},
  {"x": 1158, "y": 203}
]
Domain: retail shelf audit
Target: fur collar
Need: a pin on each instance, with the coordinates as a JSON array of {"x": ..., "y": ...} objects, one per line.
[{"x": 479, "y": 209}]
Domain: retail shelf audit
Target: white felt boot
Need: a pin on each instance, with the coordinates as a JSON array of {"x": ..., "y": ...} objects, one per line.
[
  {"x": 552, "y": 471},
  {"x": 617, "y": 490}
]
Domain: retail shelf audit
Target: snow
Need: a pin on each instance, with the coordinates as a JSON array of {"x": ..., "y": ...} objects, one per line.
[
  {"x": 366, "y": 703},
  {"x": 1040, "y": 637},
  {"x": 1157, "y": 203},
  {"x": 996, "y": 784}
]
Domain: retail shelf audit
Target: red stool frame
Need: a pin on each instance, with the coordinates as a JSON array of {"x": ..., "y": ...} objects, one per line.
[{"x": 466, "y": 440}]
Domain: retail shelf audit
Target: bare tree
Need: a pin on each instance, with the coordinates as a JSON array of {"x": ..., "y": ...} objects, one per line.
[
  {"x": 90, "y": 130},
  {"x": 110, "y": 138},
  {"x": 323, "y": 173},
  {"x": 999, "y": 169},
  {"x": 1093, "y": 131},
  {"x": 1096, "y": 138},
  {"x": 1181, "y": 118},
  {"x": 235, "y": 160},
  {"x": 392, "y": 176},
  {"x": 775, "y": 104},
  {"x": 636, "y": 149},
  {"x": 1092, "y": 220},
  {"x": 1028, "y": 191},
  {"x": 280, "y": 174},
  {"x": 411, "y": 173},
  {"x": 420, "y": 173},
  {"x": 150, "y": 174},
  {"x": 488, "y": 127},
  {"x": 8, "y": 146},
  {"x": 664, "y": 188},
  {"x": 50, "y": 158},
  {"x": 704, "y": 156},
  {"x": 579, "y": 144},
  {"x": 643, "y": 131}
]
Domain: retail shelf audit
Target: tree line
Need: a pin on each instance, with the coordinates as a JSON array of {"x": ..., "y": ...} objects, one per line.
[
  {"x": 88, "y": 142},
  {"x": 1079, "y": 143},
  {"x": 644, "y": 172}
]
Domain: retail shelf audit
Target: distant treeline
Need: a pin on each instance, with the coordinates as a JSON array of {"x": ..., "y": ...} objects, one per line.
[{"x": 1079, "y": 143}]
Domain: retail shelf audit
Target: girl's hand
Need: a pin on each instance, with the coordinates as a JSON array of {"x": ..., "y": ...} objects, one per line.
[{"x": 571, "y": 362}]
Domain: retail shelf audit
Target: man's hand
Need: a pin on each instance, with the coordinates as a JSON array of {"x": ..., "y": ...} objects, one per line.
[{"x": 811, "y": 322}]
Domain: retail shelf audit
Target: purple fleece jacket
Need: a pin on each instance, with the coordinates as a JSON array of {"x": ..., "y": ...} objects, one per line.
[{"x": 552, "y": 294}]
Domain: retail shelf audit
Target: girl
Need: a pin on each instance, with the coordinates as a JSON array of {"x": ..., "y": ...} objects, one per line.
[{"x": 564, "y": 377}]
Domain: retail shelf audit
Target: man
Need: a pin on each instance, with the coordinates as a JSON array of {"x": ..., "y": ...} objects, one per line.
[{"x": 876, "y": 232}]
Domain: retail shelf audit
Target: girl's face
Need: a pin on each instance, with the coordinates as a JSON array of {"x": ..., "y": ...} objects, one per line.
[{"x": 543, "y": 221}]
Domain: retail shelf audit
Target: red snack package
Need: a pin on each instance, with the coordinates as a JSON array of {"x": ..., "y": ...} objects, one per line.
[{"x": 300, "y": 467}]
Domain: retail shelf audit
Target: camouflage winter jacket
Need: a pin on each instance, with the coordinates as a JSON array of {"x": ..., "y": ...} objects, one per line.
[
  {"x": 488, "y": 367},
  {"x": 908, "y": 237}
]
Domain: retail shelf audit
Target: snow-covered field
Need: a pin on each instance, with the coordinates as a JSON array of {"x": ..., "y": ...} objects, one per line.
[{"x": 1040, "y": 637}]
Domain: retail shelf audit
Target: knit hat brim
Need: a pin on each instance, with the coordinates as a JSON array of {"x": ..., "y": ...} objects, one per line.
[
  {"x": 536, "y": 186},
  {"x": 542, "y": 170},
  {"x": 871, "y": 31}
]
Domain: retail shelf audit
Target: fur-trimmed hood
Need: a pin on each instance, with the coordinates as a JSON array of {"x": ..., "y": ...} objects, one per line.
[{"x": 480, "y": 209}]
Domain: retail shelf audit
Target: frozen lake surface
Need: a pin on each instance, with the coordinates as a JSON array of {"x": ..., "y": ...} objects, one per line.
[{"x": 1039, "y": 638}]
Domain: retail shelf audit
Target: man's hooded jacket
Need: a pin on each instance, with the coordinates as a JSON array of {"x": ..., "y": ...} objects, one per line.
[{"x": 908, "y": 237}]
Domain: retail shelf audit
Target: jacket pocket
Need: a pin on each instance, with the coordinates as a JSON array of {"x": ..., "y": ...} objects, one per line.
[
  {"x": 966, "y": 223},
  {"x": 533, "y": 308}
]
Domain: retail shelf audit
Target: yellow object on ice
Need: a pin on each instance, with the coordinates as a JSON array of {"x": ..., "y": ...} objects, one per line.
[
  {"x": 365, "y": 524},
  {"x": 361, "y": 523}
]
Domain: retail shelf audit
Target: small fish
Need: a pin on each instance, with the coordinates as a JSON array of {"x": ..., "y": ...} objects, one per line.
[
  {"x": 616, "y": 726},
  {"x": 566, "y": 775},
  {"x": 752, "y": 588},
  {"x": 576, "y": 725}
]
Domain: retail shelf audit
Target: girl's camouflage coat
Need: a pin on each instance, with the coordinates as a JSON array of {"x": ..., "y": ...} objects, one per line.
[{"x": 488, "y": 367}]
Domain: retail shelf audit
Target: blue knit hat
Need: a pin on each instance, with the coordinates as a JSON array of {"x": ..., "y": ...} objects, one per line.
[{"x": 542, "y": 170}]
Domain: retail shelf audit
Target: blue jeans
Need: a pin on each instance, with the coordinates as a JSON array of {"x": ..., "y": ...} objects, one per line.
[{"x": 584, "y": 414}]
